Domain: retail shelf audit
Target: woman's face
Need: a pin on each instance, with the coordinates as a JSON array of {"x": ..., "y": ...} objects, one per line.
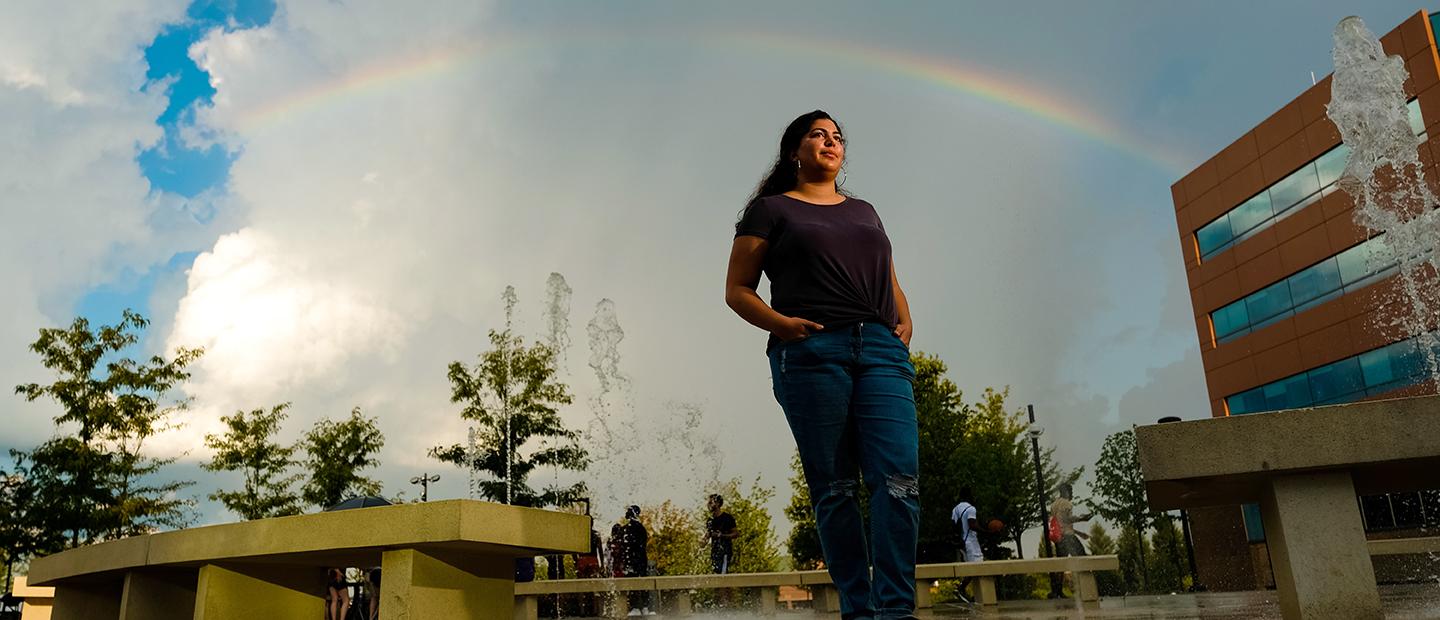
[{"x": 822, "y": 148}]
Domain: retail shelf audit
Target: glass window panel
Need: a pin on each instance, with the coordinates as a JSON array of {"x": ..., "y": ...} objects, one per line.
[
  {"x": 1213, "y": 235},
  {"x": 1406, "y": 360},
  {"x": 1250, "y": 213},
  {"x": 1254, "y": 525},
  {"x": 1268, "y": 302},
  {"x": 1230, "y": 319},
  {"x": 1376, "y": 510},
  {"x": 1417, "y": 123},
  {"x": 1291, "y": 393},
  {"x": 1430, "y": 500},
  {"x": 1294, "y": 188},
  {"x": 1376, "y": 368},
  {"x": 1331, "y": 382},
  {"x": 1354, "y": 263},
  {"x": 1332, "y": 164},
  {"x": 1318, "y": 280},
  {"x": 1249, "y": 401},
  {"x": 1407, "y": 510}
]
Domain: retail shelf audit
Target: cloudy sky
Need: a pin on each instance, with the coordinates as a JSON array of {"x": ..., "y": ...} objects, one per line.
[{"x": 331, "y": 196}]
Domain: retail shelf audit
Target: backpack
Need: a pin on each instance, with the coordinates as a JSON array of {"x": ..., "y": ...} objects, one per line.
[{"x": 1053, "y": 532}]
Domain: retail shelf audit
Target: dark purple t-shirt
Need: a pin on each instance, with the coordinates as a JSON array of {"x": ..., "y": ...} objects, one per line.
[{"x": 826, "y": 263}]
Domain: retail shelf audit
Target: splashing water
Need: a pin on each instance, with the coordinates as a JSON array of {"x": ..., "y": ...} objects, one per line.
[
  {"x": 511, "y": 300},
  {"x": 557, "y": 317},
  {"x": 557, "y": 323},
  {"x": 1384, "y": 176}
]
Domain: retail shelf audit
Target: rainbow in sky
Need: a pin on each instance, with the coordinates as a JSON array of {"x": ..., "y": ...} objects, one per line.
[{"x": 1004, "y": 90}]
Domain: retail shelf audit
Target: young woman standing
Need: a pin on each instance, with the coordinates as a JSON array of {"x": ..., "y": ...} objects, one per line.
[{"x": 839, "y": 360}]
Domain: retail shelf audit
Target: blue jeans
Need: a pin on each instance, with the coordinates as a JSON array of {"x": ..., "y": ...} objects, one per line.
[{"x": 849, "y": 399}]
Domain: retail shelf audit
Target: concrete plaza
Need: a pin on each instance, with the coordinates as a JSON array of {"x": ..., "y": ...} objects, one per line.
[{"x": 1400, "y": 602}]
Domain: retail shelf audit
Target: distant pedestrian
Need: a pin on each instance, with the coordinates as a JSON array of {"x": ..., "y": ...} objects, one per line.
[
  {"x": 721, "y": 532},
  {"x": 966, "y": 518},
  {"x": 337, "y": 595},
  {"x": 1062, "y": 510},
  {"x": 634, "y": 560}
]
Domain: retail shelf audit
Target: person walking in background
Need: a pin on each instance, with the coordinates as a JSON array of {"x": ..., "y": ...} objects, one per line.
[
  {"x": 337, "y": 595},
  {"x": 634, "y": 560},
  {"x": 966, "y": 517},
  {"x": 840, "y": 368},
  {"x": 721, "y": 532},
  {"x": 1062, "y": 510}
]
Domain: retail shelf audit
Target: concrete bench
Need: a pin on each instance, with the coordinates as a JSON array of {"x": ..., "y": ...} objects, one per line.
[
  {"x": 36, "y": 601},
  {"x": 1304, "y": 468},
  {"x": 1082, "y": 568},
  {"x": 1404, "y": 546},
  {"x": 825, "y": 596},
  {"x": 446, "y": 559}
]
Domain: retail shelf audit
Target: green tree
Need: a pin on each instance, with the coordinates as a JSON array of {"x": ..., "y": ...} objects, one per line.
[
  {"x": 513, "y": 396},
  {"x": 247, "y": 447},
  {"x": 95, "y": 482},
  {"x": 336, "y": 452},
  {"x": 675, "y": 543},
  {"x": 20, "y": 534},
  {"x": 1120, "y": 486},
  {"x": 942, "y": 417},
  {"x": 999, "y": 465},
  {"x": 803, "y": 544},
  {"x": 1133, "y": 549},
  {"x": 1168, "y": 568},
  {"x": 1109, "y": 582},
  {"x": 756, "y": 550}
]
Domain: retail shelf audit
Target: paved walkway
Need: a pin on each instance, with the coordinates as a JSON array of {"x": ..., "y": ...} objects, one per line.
[{"x": 1401, "y": 602}]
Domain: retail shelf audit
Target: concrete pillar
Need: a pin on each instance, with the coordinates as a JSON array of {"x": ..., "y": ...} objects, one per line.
[
  {"x": 825, "y": 598},
  {"x": 683, "y": 605},
  {"x": 87, "y": 601},
  {"x": 769, "y": 600},
  {"x": 923, "y": 597},
  {"x": 248, "y": 591},
  {"x": 159, "y": 595},
  {"x": 1317, "y": 547},
  {"x": 1087, "y": 589},
  {"x": 445, "y": 584},
  {"x": 987, "y": 595},
  {"x": 526, "y": 607}
]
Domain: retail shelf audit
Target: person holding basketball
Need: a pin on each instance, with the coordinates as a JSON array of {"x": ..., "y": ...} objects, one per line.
[{"x": 967, "y": 518}]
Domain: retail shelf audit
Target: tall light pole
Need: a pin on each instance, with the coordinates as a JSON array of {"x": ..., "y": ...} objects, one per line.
[
  {"x": 424, "y": 481},
  {"x": 1034, "y": 433}
]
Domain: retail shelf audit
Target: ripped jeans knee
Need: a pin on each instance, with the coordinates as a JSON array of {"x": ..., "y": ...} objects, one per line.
[
  {"x": 844, "y": 487},
  {"x": 902, "y": 486}
]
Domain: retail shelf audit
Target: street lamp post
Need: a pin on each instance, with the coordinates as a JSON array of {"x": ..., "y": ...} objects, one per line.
[
  {"x": 424, "y": 481},
  {"x": 1034, "y": 433}
]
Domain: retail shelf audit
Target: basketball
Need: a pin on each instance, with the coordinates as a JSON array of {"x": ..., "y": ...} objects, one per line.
[{"x": 995, "y": 526}]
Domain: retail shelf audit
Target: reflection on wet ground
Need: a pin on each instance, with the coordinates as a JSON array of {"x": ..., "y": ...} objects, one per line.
[{"x": 1401, "y": 602}]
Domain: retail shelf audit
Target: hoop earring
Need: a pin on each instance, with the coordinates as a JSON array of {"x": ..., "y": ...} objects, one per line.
[{"x": 843, "y": 175}]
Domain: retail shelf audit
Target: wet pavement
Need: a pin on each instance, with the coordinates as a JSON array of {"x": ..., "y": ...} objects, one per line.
[{"x": 1401, "y": 602}]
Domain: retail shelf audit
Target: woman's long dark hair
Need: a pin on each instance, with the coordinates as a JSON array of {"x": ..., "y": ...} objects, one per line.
[{"x": 783, "y": 176}]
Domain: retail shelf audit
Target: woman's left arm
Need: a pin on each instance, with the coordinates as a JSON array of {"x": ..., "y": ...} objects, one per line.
[{"x": 904, "y": 328}]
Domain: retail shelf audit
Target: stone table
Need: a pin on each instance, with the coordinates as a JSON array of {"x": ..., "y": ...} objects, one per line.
[
  {"x": 1304, "y": 467},
  {"x": 443, "y": 559}
]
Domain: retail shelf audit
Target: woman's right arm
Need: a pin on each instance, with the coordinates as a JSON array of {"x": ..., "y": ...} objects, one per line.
[{"x": 747, "y": 258}]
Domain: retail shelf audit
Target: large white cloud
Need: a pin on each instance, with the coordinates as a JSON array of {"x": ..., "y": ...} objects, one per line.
[
  {"x": 76, "y": 208},
  {"x": 399, "y": 166}
]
